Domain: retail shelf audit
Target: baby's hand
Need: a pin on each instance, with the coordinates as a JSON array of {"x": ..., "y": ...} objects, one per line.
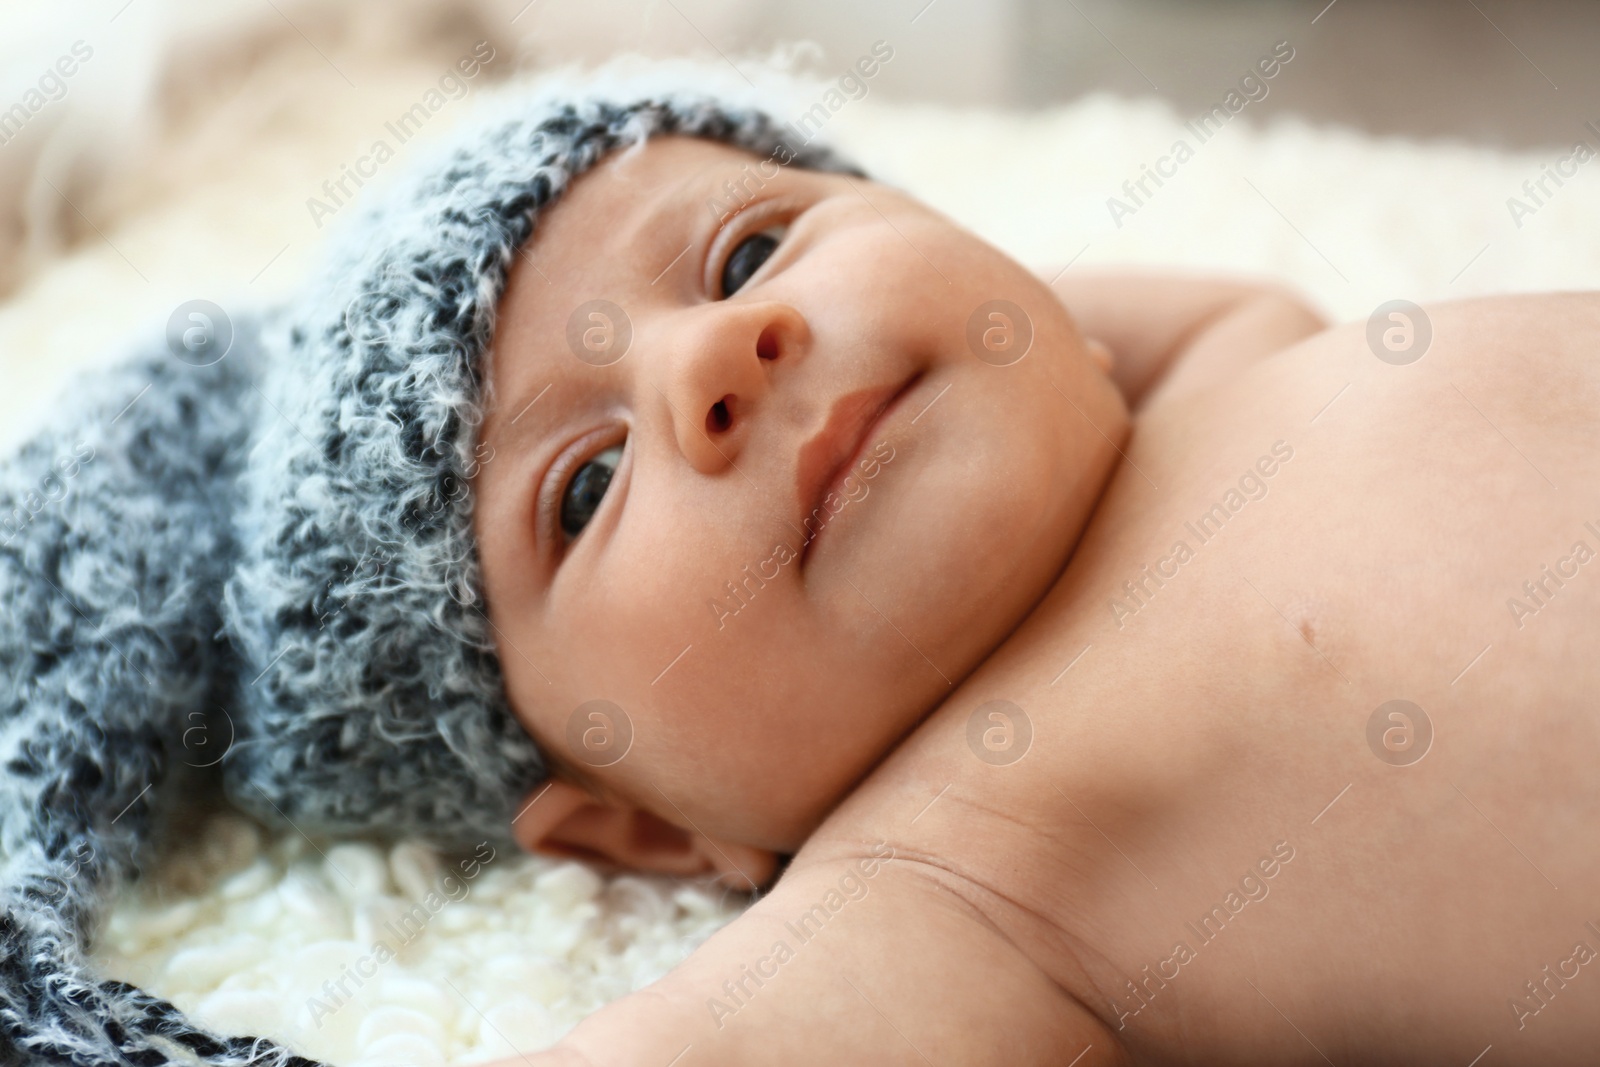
[{"x": 1173, "y": 332}]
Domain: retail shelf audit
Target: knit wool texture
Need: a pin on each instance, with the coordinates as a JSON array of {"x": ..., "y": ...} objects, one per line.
[{"x": 261, "y": 575}]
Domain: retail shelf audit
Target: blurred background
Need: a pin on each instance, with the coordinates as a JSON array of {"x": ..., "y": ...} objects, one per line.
[
  {"x": 1486, "y": 70},
  {"x": 179, "y": 155},
  {"x": 1492, "y": 72}
]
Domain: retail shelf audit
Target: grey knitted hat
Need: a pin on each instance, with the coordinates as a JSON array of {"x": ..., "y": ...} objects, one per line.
[{"x": 276, "y": 550}]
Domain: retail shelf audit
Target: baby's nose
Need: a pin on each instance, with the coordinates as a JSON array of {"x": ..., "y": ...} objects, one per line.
[{"x": 720, "y": 375}]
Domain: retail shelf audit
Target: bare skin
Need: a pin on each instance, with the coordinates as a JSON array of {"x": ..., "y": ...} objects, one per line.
[{"x": 989, "y": 898}]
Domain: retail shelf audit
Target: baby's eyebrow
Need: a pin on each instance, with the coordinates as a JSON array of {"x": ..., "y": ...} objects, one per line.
[
  {"x": 706, "y": 193},
  {"x": 523, "y": 423},
  {"x": 530, "y": 403},
  {"x": 662, "y": 207}
]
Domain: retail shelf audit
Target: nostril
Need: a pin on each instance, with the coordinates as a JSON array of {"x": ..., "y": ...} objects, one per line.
[
  {"x": 719, "y": 418},
  {"x": 767, "y": 344}
]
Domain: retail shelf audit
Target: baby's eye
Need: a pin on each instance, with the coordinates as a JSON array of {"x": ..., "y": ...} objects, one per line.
[
  {"x": 586, "y": 489},
  {"x": 747, "y": 257}
]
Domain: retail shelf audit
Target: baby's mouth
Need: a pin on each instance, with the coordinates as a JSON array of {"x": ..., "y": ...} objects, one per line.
[{"x": 827, "y": 459}]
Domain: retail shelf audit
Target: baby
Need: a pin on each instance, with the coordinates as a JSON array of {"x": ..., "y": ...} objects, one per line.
[
  {"x": 1097, "y": 738},
  {"x": 642, "y": 485}
]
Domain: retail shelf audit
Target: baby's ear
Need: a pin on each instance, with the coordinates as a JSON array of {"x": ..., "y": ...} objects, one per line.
[{"x": 561, "y": 819}]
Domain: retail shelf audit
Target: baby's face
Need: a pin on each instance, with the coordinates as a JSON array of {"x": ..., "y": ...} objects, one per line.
[{"x": 767, "y": 500}]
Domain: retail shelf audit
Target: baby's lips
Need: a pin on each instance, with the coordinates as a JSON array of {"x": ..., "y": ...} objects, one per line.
[
  {"x": 834, "y": 456},
  {"x": 822, "y": 457}
]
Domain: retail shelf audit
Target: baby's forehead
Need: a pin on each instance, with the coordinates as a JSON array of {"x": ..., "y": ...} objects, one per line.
[{"x": 642, "y": 190}]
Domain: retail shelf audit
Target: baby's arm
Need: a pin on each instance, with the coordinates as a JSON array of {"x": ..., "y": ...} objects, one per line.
[
  {"x": 1169, "y": 334},
  {"x": 905, "y": 973}
]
